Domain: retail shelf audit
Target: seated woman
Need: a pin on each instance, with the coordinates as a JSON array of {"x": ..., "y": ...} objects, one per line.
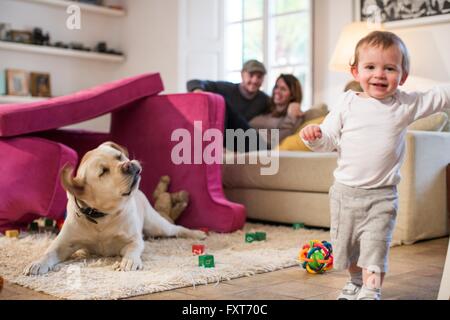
[{"x": 284, "y": 112}]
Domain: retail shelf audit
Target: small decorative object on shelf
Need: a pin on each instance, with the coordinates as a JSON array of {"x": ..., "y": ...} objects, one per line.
[
  {"x": 94, "y": 2},
  {"x": 78, "y": 46},
  {"x": 39, "y": 38},
  {"x": 102, "y": 47},
  {"x": 4, "y": 28},
  {"x": 40, "y": 84},
  {"x": 60, "y": 44},
  {"x": 17, "y": 82},
  {"x": 19, "y": 36}
]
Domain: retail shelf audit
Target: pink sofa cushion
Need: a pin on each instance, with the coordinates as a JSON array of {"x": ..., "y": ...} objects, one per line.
[
  {"x": 30, "y": 187},
  {"x": 146, "y": 131},
  {"x": 18, "y": 119}
]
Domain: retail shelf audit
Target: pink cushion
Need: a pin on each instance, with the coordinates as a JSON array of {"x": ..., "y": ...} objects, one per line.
[
  {"x": 146, "y": 131},
  {"x": 30, "y": 185},
  {"x": 18, "y": 119}
]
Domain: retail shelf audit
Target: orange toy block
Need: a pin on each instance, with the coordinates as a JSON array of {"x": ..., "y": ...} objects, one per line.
[{"x": 12, "y": 233}]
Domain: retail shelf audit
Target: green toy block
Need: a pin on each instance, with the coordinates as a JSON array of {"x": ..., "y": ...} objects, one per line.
[
  {"x": 260, "y": 236},
  {"x": 298, "y": 225},
  {"x": 48, "y": 223},
  {"x": 250, "y": 237},
  {"x": 209, "y": 261},
  {"x": 206, "y": 261},
  {"x": 33, "y": 227},
  {"x": 201, "y": 261}
]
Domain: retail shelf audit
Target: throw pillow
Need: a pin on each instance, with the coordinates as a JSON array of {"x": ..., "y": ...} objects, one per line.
[
  {"x": 435, "y": 122},
  {"x": 447, "y": 126},
  {"x": 293, "y": 142},
  {"x": 316, "y": 111}
]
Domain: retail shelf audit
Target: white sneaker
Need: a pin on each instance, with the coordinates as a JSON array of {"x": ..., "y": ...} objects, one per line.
[
  {"x": 369, "y": 294},
  {"x": 349, "y": 292}
]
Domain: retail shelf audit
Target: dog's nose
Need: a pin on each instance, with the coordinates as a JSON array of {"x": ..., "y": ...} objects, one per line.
[{"x": 130, "y": 168}]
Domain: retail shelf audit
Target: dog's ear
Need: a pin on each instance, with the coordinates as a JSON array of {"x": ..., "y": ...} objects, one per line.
[
  {"x": 69, "y": 183},
  {"x": 117, "y": 147}
]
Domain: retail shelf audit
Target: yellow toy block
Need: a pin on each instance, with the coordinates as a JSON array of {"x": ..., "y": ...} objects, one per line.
[{"x": 12, "y": 233}]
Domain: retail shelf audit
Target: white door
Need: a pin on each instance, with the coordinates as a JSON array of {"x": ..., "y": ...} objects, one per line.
[{"x": 201, "y": 41}]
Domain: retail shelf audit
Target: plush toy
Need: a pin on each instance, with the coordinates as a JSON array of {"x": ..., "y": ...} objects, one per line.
[{"x": 169, "y": 205}]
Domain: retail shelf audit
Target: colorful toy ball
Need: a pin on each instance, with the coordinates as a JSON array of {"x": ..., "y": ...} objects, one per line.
[{"x": 316, "y": 257}]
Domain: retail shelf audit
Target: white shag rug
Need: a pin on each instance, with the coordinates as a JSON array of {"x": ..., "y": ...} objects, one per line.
[{"x": 168, "y": 263}]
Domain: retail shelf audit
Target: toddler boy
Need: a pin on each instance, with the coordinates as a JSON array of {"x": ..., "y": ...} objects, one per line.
[{"x": 368, "y": 131}]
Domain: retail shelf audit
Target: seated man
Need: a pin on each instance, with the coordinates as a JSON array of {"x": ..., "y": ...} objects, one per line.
[{"x": 244, "y": 100}]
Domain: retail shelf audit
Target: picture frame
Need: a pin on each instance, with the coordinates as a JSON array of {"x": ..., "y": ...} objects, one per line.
[
  {"x": 40, "y": 85},
  {"x": 17, "y": 83},
  {"x": 2, "y": 83},
  {"x": 402, "y": 13},
  {"x": 20, "y": 36}
]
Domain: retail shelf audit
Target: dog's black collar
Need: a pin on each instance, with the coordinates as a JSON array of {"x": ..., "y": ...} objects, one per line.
[{"x": 90, "y": 213}]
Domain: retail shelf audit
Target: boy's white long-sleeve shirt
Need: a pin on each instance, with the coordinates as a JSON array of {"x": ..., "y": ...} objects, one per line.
[{"x": 369, "y": 134}]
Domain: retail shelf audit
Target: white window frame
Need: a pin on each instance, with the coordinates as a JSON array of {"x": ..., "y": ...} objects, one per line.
[{"x": 267, "y": 20}]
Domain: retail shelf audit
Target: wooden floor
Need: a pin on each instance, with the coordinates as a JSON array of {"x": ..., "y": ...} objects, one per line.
[{"x": 415, "y": 274}]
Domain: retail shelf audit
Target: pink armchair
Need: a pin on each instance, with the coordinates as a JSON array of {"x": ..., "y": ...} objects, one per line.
[{"x": 33, "y": 149}]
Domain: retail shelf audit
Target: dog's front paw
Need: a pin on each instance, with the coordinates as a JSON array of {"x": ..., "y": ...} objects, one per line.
[
  {"x": 37, "y": 268},
  {"x": 196, "y": 234},
  {"x": 129, "y": 264}
]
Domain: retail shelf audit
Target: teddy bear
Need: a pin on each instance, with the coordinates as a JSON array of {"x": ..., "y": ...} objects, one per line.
[{"x": 169, "y": 205}]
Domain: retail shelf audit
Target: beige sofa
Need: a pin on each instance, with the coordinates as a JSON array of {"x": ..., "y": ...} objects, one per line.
[{"x": 299, "y": 191}]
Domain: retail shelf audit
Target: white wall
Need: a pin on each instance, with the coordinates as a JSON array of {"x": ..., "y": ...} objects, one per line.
[
  {"x": 329, "y": 18},
  {"x": 150, "y": 36},
  {"x": 428, "y": 46}
]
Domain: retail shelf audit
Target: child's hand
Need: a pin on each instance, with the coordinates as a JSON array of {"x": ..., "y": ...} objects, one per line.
[{"x": 311, "y": 132}]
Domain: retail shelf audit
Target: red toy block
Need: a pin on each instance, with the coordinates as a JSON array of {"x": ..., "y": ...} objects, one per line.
[
  {"x": 198, "y": 249},
  {"x": 59, "y": 224}
]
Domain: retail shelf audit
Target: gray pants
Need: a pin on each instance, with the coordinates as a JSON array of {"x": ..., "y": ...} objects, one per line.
[{"x": 362, "y": 223}]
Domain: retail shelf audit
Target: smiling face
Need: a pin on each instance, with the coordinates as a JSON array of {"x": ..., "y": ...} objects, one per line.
[
  {"x": 105, "y": 179},
  {"x": 281, "y": 93},
  {"x": 252, "y": 81},
  {"x": 379, "y": 71}
]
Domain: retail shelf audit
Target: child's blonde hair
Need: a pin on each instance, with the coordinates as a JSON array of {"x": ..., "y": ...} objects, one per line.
[{"x": 385, "y": 40}]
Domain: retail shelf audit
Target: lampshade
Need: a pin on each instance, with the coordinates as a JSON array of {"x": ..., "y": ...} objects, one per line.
[{"x": 348, "y": 39}]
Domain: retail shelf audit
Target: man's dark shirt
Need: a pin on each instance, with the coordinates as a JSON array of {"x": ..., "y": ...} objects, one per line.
[{"x": 248, "y": 108}]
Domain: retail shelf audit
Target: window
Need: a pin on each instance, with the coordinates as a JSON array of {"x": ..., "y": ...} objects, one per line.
[{"x": 276, "y": 32}]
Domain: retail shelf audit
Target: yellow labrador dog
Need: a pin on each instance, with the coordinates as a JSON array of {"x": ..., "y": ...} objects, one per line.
[{"x": 107, "y": 214}]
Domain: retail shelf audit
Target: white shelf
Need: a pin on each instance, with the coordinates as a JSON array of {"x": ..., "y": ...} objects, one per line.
[
  {"x": 83, "y": 6},
  {"x": 60, "y": 52},
  {"x": 18, "y": 99}
]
